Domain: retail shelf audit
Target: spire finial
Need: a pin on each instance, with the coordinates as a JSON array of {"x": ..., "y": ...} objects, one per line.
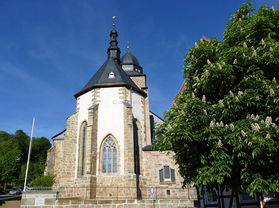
[
  {"x": 113, "y": 50},
  {"x": 113, "y": 21},
  {"x": 128, "y": 46}
]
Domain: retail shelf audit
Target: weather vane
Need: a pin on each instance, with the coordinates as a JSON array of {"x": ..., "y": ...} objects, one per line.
[
  {"x": 113, "y": 21},
  {"x": 128, "y": 46}
]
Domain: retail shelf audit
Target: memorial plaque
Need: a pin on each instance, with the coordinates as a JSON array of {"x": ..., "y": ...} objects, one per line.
[{"x": 39, "y": 201}]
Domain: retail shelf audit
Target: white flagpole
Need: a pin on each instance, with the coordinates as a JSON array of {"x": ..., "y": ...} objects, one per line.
[{"x": 29, "y": 153}]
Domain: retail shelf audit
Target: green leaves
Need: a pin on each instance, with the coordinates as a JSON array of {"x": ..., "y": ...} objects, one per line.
[
  {"x": 44, "y": 181},
  {"x": 223, "y": 128},
  {"x": 13, "y": 158},
  {"x": 9, "y": 154}
]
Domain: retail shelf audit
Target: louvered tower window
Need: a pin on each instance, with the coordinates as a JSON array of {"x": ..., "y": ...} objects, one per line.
[{"x": 167, "y": 175}]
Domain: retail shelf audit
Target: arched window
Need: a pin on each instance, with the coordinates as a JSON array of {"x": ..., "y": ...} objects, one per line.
[
  {"x": 82, "y": 141},
  {"x": 109, "y": 156}
]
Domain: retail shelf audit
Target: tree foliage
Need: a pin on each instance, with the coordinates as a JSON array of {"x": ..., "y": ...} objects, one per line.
[
  {"x": 44, "y": 181},
  {"x": 223, "y": 127},
  {"x": 13, "y": 158}
]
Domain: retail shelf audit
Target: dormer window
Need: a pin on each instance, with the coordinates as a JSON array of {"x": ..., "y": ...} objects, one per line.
[{"x": 111, "y": 75}]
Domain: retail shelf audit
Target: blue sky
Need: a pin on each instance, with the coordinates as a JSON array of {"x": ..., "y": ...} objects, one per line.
[{"x": 50, "y": 49}]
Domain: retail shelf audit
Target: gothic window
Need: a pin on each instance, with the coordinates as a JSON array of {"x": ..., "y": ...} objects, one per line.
[
  {"x": 109, "y": 156},
  {"x": 167, "y": 174},
  {"x": 82, "y": 141}
]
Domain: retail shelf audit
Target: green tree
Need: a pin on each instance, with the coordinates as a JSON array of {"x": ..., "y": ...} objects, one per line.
[
  {"x": 13, "y": 158},
  {"x": 35, "y": 170},
  {"x": 22, "y": 139},
  {"x": 9, "y": 162},
  {"x": 40, "y": 146},
  {"x": 223, "y": 128},
  {"x": 4, "y": 136},
  {"x": 39, "y": 150},
  {"x": 44, "y": 181}
]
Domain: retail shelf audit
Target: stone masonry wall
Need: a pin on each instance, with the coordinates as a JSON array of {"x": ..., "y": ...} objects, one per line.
[
  {"x": 58, "y": 159},
  {"x": 91, "y": 141},
  {"x": 100, "y": 187},
  {"x": 147, "y": 140},
  {"x": 50, "y": 200},
  {"x": 69, "y": 150},
  {"x": 140, "y": 81},
  {"x": 116, "y": 187},
  {"x": 50, "y": 162},
  {"x": 54, "y": 160},
  {"x": 153, "y": 162},
  {"x": 128, "y": 141}
]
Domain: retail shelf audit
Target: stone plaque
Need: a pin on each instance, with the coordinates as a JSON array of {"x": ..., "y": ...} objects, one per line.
[{"x": 39, "y": 201}]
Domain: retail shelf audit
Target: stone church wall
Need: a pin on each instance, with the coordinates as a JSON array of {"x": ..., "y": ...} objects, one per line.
[
  {"x": 55, "y": 160},
  {"x": 138, "y": 111},
  {"x": 67, "y": 150},
  {"x": 140, "y": 81},
  {"x": 50, "y": 161},
  {"x": 50, "y": 200},
  {"x": 84, "y": 102},
  {"x": 154, "y": 161},
  {"x": 116, "y": 187},
  {"x": 110, "y": 113}
]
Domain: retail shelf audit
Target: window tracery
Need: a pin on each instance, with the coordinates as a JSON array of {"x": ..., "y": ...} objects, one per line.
[{"x": 109, "y": 156}]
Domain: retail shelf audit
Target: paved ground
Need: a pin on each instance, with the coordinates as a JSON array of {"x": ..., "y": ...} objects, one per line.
[{"x": 11, "y": 204}]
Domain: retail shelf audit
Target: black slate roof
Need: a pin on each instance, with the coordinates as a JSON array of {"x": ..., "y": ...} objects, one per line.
[
  {"x": 102, "y": 77},
  {"x": 129, "y": 58}
]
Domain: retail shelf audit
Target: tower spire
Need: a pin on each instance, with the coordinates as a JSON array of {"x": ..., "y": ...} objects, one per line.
[
  {"x": 113, "y": 21},
  {"x": 113, "y": 50},
  {"x": 128, "y": 46}
]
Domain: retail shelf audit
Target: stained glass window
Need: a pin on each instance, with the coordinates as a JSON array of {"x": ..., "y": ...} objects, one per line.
[
  {"x": 114, "y": 160},
  {"x": 109, "y": 157},
  {"x": 104, "y": 169},
  {"x": 109, "y": 160}
]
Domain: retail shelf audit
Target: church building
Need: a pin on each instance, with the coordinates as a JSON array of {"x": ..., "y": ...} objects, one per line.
[{"x": 106, "y": 151}]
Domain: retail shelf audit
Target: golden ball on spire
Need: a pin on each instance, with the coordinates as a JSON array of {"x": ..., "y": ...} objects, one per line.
[{"x": 113, "y": 21}]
